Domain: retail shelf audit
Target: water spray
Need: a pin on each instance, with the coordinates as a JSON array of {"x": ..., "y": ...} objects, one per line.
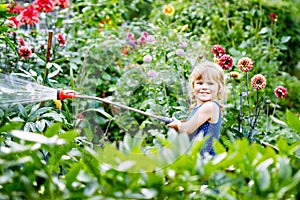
[{"x": 15, "y": 90}]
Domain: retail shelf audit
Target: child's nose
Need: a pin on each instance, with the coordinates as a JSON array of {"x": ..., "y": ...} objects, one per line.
[{"x": 204, "y": 86}]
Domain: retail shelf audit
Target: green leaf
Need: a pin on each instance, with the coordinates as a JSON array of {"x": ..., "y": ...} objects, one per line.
[
  {"x": 8, "y": 127},
  {"x": 53, "y": 74},
  {"x": 106, "y": 76},
  {"x": 22, "y": 111},
  {"x": 54, "y": 115},
  {"x": 292, "y": 185},
  {"x": 265, "y": 164},
  {"x": 60, "y": 60},
  {"x": 69, "y": 135},
  {"x": 127, "y": 141},
  {"x": 100, "y": 111},
  {"x": 34, "y": 108},
  {"x": 38, "y": 138},
  {"x": 124, "y": 166},
  {"x": 293, "y": 121},
  {"x": 40, "y": 125},
  {"x": 43, "y": 58},
  {"x": 57, "y": 66},
  {"x": 53, "y": 129},
  {"x": 264, "y": 30},
  {"x": 285, "y": 39},
  {"x": 264, "y": 180},
  {"x": 285, "y": 170},
  {"x": 282, "y": 145},
  {"x": 88, "y": 133},
  {"x": 38, "y": 112},
  {"x": 72, "y": 174},
  {"x": 1, "y": 113},
  {"x": 172, "y": 53},
  {"x": 11, "y": 45}
]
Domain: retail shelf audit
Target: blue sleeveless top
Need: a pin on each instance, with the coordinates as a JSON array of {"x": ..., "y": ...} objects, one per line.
[{"x": 211, "y": 130}]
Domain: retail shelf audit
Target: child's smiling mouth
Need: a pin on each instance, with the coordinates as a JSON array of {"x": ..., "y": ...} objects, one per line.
[{"x": 204, "y": 92}]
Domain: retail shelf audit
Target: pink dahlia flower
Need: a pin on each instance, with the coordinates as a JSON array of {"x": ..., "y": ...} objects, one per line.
[
  {"x": 147, "y": 58},
  {"x": 245, "y": 64},
  {"x": 179, "y": 52},
  {"x": 281, "y": 92},
  {"x": 150, "y": 38},
  {"x": 258, "y": 82},
  {"x": 152, "y": 73},
  {"x": 145, "y": 34},
  {"x": 130, "y": 36},
  {"x": 183, "y": 45},
  {"x": 142, "y": 39}
]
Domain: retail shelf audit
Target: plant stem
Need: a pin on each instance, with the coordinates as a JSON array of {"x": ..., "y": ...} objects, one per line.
[
  {"x": 240, "y": 118},
  {"x": 256, "y": 111},
  {"x": 83, "y": 70},
  {"x": 273, "y": 112},
  {"x": 233, "y": 92},
  {"x": 247, "y": 92},
  {"x": 166, "y": 96},
  {"x": 267, "y": 119}
]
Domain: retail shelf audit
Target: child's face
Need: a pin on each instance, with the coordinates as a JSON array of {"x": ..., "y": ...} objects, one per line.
[{"x": 205, "y": 90}]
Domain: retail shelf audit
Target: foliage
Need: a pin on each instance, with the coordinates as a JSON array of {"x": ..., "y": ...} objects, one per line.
[{"x": 176, "y": 169}]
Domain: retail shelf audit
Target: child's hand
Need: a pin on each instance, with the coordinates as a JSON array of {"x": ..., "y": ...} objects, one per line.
[{"x": 175, "y": 124}]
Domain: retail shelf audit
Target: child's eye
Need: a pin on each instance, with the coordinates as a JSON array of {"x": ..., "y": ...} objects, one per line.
[{"x": 211, "y": 83}]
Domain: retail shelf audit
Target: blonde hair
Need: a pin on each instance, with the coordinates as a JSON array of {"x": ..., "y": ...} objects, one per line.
[{"x": 212, "y": 71}]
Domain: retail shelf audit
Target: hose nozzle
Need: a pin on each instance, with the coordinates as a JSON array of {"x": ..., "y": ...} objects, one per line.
[{"x": 65, "y": 94}]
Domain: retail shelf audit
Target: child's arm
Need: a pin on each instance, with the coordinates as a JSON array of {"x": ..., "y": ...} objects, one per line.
[{"x": 203, "y": 114}]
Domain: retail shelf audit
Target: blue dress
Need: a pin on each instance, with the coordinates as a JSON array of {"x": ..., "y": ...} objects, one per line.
[{"x": 211, "y": 130}]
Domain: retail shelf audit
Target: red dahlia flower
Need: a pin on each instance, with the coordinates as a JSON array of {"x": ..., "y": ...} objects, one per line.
[
  {"x": 281, "y": 92},
  {"x": 218, "y": 50},
  {"x": 25, "y": 52},
  {"x": 44, "y": 5},
  {"x": 21, "y": 41},
  {"x": 258, "y": 82},
  {"x": 225, "y": 62},
  {"x": 13, "y": 22},
  {"x": 10, "y": 23},
  {"x": 29, "y": 15},
  {"x": 61, "y": 39},
  {"x": 63, "y": 3},
  {"x": 15, "y": 8},
  {"x": 273, "y": 17}
]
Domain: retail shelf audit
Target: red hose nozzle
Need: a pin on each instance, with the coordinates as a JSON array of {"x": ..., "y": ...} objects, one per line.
[{"x": 65, "y": 94}]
